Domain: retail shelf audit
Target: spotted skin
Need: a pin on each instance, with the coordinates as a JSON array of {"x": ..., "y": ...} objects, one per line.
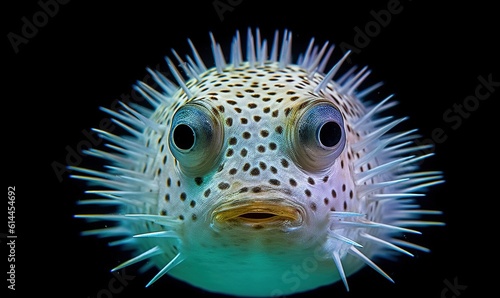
[
  {"x": 255, "y": 107},
  {"x": 249, "y": 169}
]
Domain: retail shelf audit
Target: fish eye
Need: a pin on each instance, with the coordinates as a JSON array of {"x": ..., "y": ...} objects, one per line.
[
  {"x": 195, "y": 139},
  {"x": 318, "y": 137}
]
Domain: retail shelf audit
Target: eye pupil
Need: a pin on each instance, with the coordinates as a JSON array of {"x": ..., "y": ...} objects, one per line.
[
  {"x": 330, "y": 134},
  {"x": 183, "y": 137}
]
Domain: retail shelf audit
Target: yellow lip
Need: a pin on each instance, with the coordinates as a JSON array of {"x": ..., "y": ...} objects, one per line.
[{"x": 261, "y": 212}]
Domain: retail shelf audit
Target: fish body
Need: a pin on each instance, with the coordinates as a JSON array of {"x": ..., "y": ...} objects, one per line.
[{"x": 262, "y": 176}]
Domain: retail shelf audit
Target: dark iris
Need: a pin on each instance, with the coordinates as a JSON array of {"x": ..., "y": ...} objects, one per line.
[
  {"x": 330, "y": 134},
  {"x": 183, "y": 137}
]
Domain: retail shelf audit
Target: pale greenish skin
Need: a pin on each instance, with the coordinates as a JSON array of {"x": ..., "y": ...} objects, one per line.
[{"x": 258, "y": 156}]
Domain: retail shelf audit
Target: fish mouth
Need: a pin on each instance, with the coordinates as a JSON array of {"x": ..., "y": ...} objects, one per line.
[{"x": 259, "y": 213}]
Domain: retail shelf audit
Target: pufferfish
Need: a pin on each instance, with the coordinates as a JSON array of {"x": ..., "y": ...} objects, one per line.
[{"x": 261, "y": 176}]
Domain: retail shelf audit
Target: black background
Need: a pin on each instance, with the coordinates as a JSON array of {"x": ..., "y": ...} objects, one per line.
[{"x": 88, "y": 54}]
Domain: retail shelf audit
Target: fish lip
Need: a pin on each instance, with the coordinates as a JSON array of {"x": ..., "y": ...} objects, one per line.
[{"x": 259, "y": 212}]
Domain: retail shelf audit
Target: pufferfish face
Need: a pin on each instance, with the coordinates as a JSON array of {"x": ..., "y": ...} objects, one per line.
[{"x": 260, "y": 177}]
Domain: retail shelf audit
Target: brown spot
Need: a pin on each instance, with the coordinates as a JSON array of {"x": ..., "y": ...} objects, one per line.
[
  {"x": 303, "y": 105},
  {"x": 255, "y": 172},
  {"x": 287, "y": 111},
  {"x": 274, "y": 182},
  {"x": 223, "y": 185},
  {"x": 284, "y": 163},
  {"x": 256, "y": 189}
]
